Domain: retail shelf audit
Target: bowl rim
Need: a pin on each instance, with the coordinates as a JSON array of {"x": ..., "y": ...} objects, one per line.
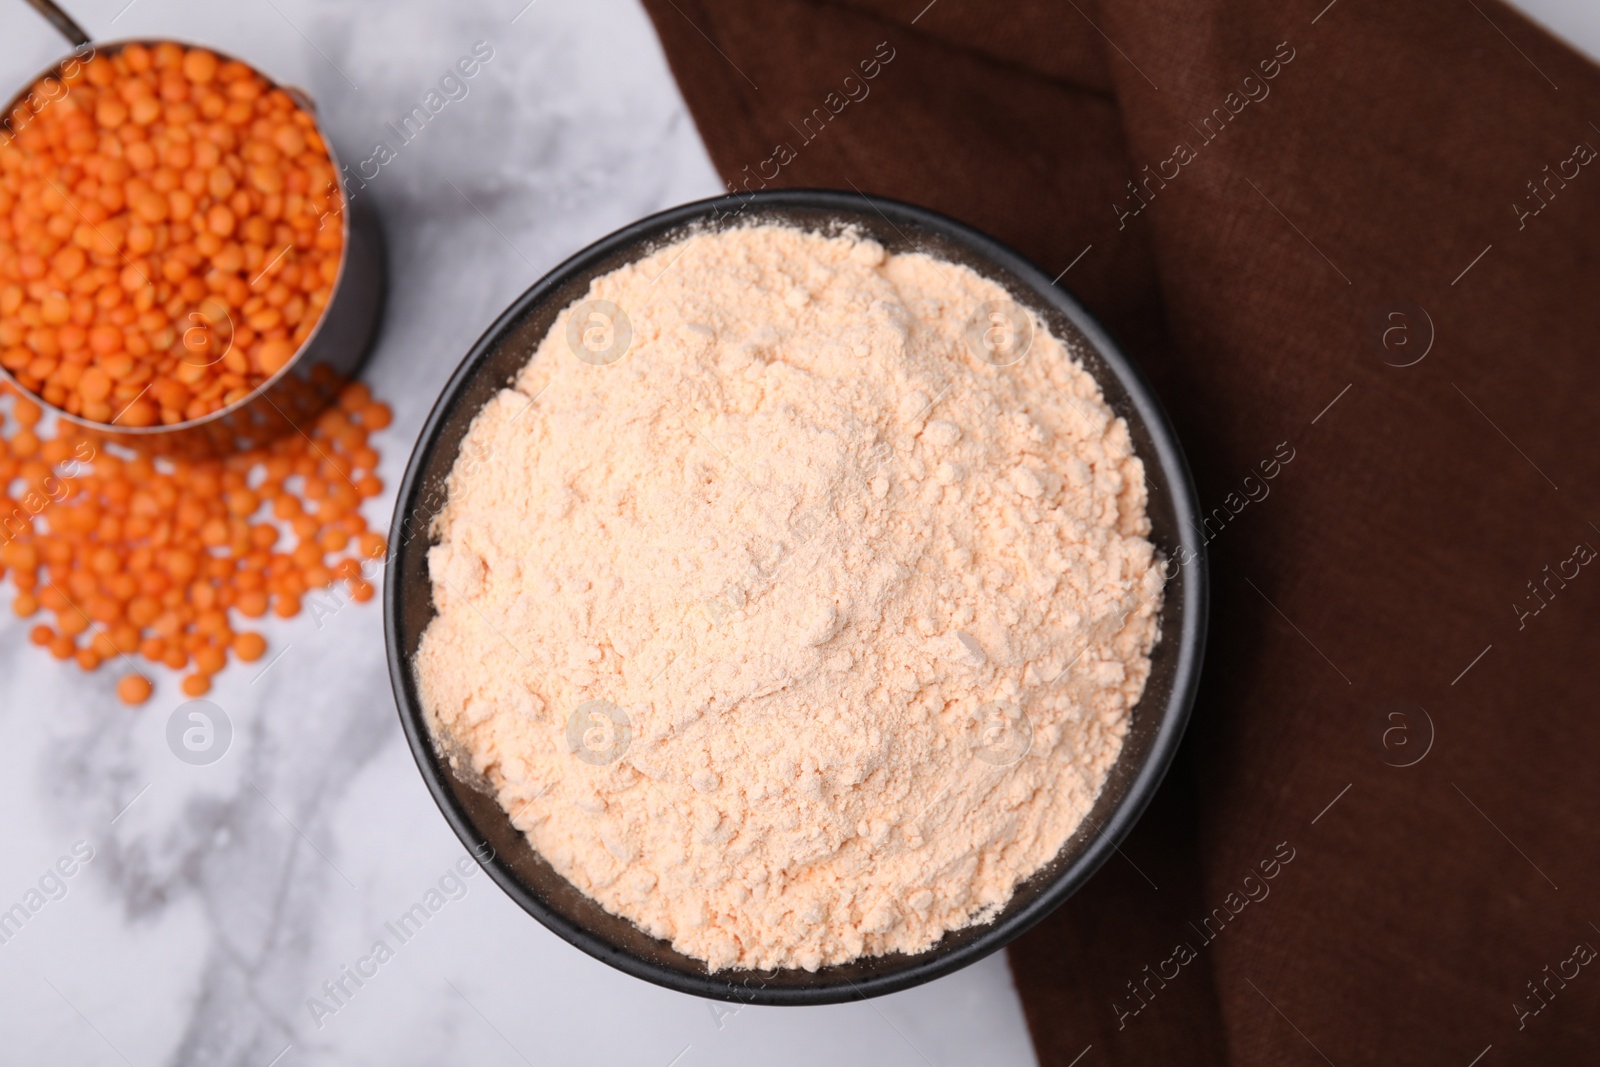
[
  {"x": 1174, "y": 716},
  {"x": 302, "y": 100}
]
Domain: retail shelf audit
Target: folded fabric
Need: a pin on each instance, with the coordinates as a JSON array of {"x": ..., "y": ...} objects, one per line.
[{"x": 1353, "y": 245}]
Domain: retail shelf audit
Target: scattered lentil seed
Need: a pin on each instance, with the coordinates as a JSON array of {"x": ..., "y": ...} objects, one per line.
[{"x": 163, "y": 559}]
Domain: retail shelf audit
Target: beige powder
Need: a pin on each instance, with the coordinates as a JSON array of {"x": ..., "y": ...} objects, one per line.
[{"x": 802, "y": 631}]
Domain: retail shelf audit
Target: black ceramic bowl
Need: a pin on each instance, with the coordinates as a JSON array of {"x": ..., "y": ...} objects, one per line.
[{"x": 1158, "y": 721}]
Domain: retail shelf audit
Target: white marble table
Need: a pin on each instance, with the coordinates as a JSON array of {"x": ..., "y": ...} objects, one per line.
[{"x": 220, "y": 898}]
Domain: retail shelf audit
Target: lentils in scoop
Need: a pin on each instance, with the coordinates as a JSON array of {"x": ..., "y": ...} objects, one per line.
[{"x": 169, "y": 235}]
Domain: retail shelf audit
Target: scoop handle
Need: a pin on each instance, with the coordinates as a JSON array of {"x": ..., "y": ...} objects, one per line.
[{"x": 62, "y": 21}]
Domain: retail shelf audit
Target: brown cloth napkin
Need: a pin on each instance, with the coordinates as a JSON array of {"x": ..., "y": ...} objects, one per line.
[{"x": 1355, "y": 244}]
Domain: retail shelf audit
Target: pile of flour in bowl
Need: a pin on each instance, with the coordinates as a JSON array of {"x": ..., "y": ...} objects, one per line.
[{"x": 795, "y": 599}]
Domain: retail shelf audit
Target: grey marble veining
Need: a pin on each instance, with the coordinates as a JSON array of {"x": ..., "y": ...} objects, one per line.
[{"x": 221, "y": 902}]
